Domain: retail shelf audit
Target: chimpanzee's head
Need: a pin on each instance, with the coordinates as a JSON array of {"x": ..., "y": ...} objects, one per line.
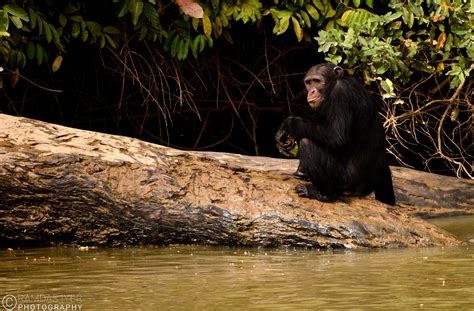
[{"x": 317, "y": 81}]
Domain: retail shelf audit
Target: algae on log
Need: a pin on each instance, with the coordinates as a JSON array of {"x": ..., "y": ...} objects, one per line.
[{"x": 60, "y": 185}]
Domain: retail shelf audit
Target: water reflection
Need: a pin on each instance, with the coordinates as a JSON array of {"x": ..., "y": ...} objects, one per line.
[
  {"x": 460, "y": 226},
  {"x": 207, "y": 278}
]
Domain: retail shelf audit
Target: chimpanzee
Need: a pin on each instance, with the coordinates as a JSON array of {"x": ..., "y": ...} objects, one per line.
[{"x": 341, "y": 142}]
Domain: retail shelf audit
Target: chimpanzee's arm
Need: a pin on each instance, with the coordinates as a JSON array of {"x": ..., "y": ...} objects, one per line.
[{"x": 333, "y": 131}]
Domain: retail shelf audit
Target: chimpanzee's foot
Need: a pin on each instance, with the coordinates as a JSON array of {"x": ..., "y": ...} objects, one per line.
[{"x": 308, "y": 191}]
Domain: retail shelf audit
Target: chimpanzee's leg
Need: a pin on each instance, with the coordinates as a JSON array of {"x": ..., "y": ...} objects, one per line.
[
  {"x": 324, "y": 169},
  {"x": 300, "y": 174}
]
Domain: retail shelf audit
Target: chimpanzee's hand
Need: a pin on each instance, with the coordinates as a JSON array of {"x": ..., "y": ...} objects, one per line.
[
  {"x": 287, "y": 143},
  {"x": 287, "y": 127}
]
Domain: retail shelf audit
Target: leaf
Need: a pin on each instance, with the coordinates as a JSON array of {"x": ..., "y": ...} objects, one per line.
[
  {"x": 441, "y": 40},
  {"x": 13, "y": 58},
  {"x": 319, "y": 5},
  {"x": 281, "y": 26},
  {"x": 191, "y": 8},
  {"x": 279, "y": 14},
  {"x": 143, "y": 32},
  {"x": 111, "y": 41},
  {"x": 202, "y": 43},
  {"x": 387, "y": 86},
  {"x": 225, "y": 20},
  {"x": 440, "y": 67},
  {"x": 21, "y": 59},
  {"x": 206, "y": 25},
  {"x": 30, "y": 50},
  {"x": 454, "y": 114},
  {"x": 382, "y": 69},
  {"x": 15, "y": 77},
  {"x": 331, "y": 12},
  {"x": 16, "y": 21},
  {"x": 4, "y": 21},
  {"x": 32, "y": 18},
  {"x": 75, "y": 30},
  {"x": 40, "y": 25},
  {"x": 124, "y": 9},
  {"x": 356, "y": 3},
  {"x": 329, "y": 25},
  {"x": 174, "y": 46},
  {"x": 449, "y": 43},
  {"x": 297, "y": 29},
  {"x": 47, "y": 31},
  {"x": 227, "y": 36},
  {"x": 455, "y": 82},
  {"x": 306, "y": 19},
  {"x": 94, "y": 28},
  {"x": 250, "y": 11},
  {"x": 152, "y": 15},
  {"x": 62, "y": 20},
  {"x": 57, "y": 63},
  {"x": 394, "y": 16},
  {"x": 195, "y": 23},
  {"x": 39, "y": 54},
  {"x": 111, "y": 30},
  {"x": 217, "y": 27},
  {"x": 334, "y": 59},
  {"x": 357, "y": 19},
  {"x": 194, "y": 46},
  {"x": 136, "y": 8},
  {"x": 179, "y": 48},
  {"x": 76, "y": 18},
  {"x": 84, "y": 35},
  {"x": 345, "y": 17},
  {"x": 102, "y": 41},
  {"x": 16, "y": 11},
  {"x": 312, "y": 11},
  {"x": 411, "y": 20},
  {"x": 183, "y": 49}
]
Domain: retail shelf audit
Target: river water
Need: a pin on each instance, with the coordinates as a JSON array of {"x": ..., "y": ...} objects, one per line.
[{"x": 216, "y": 278}]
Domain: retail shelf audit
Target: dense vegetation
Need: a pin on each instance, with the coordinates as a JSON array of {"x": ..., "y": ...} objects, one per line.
[{"x": 220, "y": 74}]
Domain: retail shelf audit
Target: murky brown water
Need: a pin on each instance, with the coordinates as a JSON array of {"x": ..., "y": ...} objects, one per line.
[
  {"x": 460, "y": 226},
  {"x": 208, "y": 278}
]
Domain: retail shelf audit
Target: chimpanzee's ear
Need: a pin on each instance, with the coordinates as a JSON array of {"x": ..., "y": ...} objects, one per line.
[{"x": 339, "y": 72}]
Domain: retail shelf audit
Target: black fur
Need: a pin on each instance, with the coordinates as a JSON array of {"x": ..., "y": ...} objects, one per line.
[{"x": 341, "y": 142}]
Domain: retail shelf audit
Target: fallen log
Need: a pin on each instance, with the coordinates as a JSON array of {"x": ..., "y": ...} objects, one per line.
[{"x": 64, "y": 186}]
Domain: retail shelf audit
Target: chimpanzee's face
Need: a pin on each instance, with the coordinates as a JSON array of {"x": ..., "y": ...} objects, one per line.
[
  {"x": 317, "y": 80},
  {"x": 315, "y": 83}
]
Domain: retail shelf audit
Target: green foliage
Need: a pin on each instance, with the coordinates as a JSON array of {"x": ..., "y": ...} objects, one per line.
[
  {"x": 39, "y": 33},
  {"x": 363, "y": 40},
  {"x": 302, "y": 14},
  {"x": 431, "y": 37},
  {"x": 182, "y": 35}
]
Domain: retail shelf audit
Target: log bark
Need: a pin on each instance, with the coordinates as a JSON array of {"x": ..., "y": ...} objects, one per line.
[{"x": 61, "y": 185}]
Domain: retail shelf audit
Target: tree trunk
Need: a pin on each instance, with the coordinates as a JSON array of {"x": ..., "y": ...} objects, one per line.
[{"x": 60, "y": 185}]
